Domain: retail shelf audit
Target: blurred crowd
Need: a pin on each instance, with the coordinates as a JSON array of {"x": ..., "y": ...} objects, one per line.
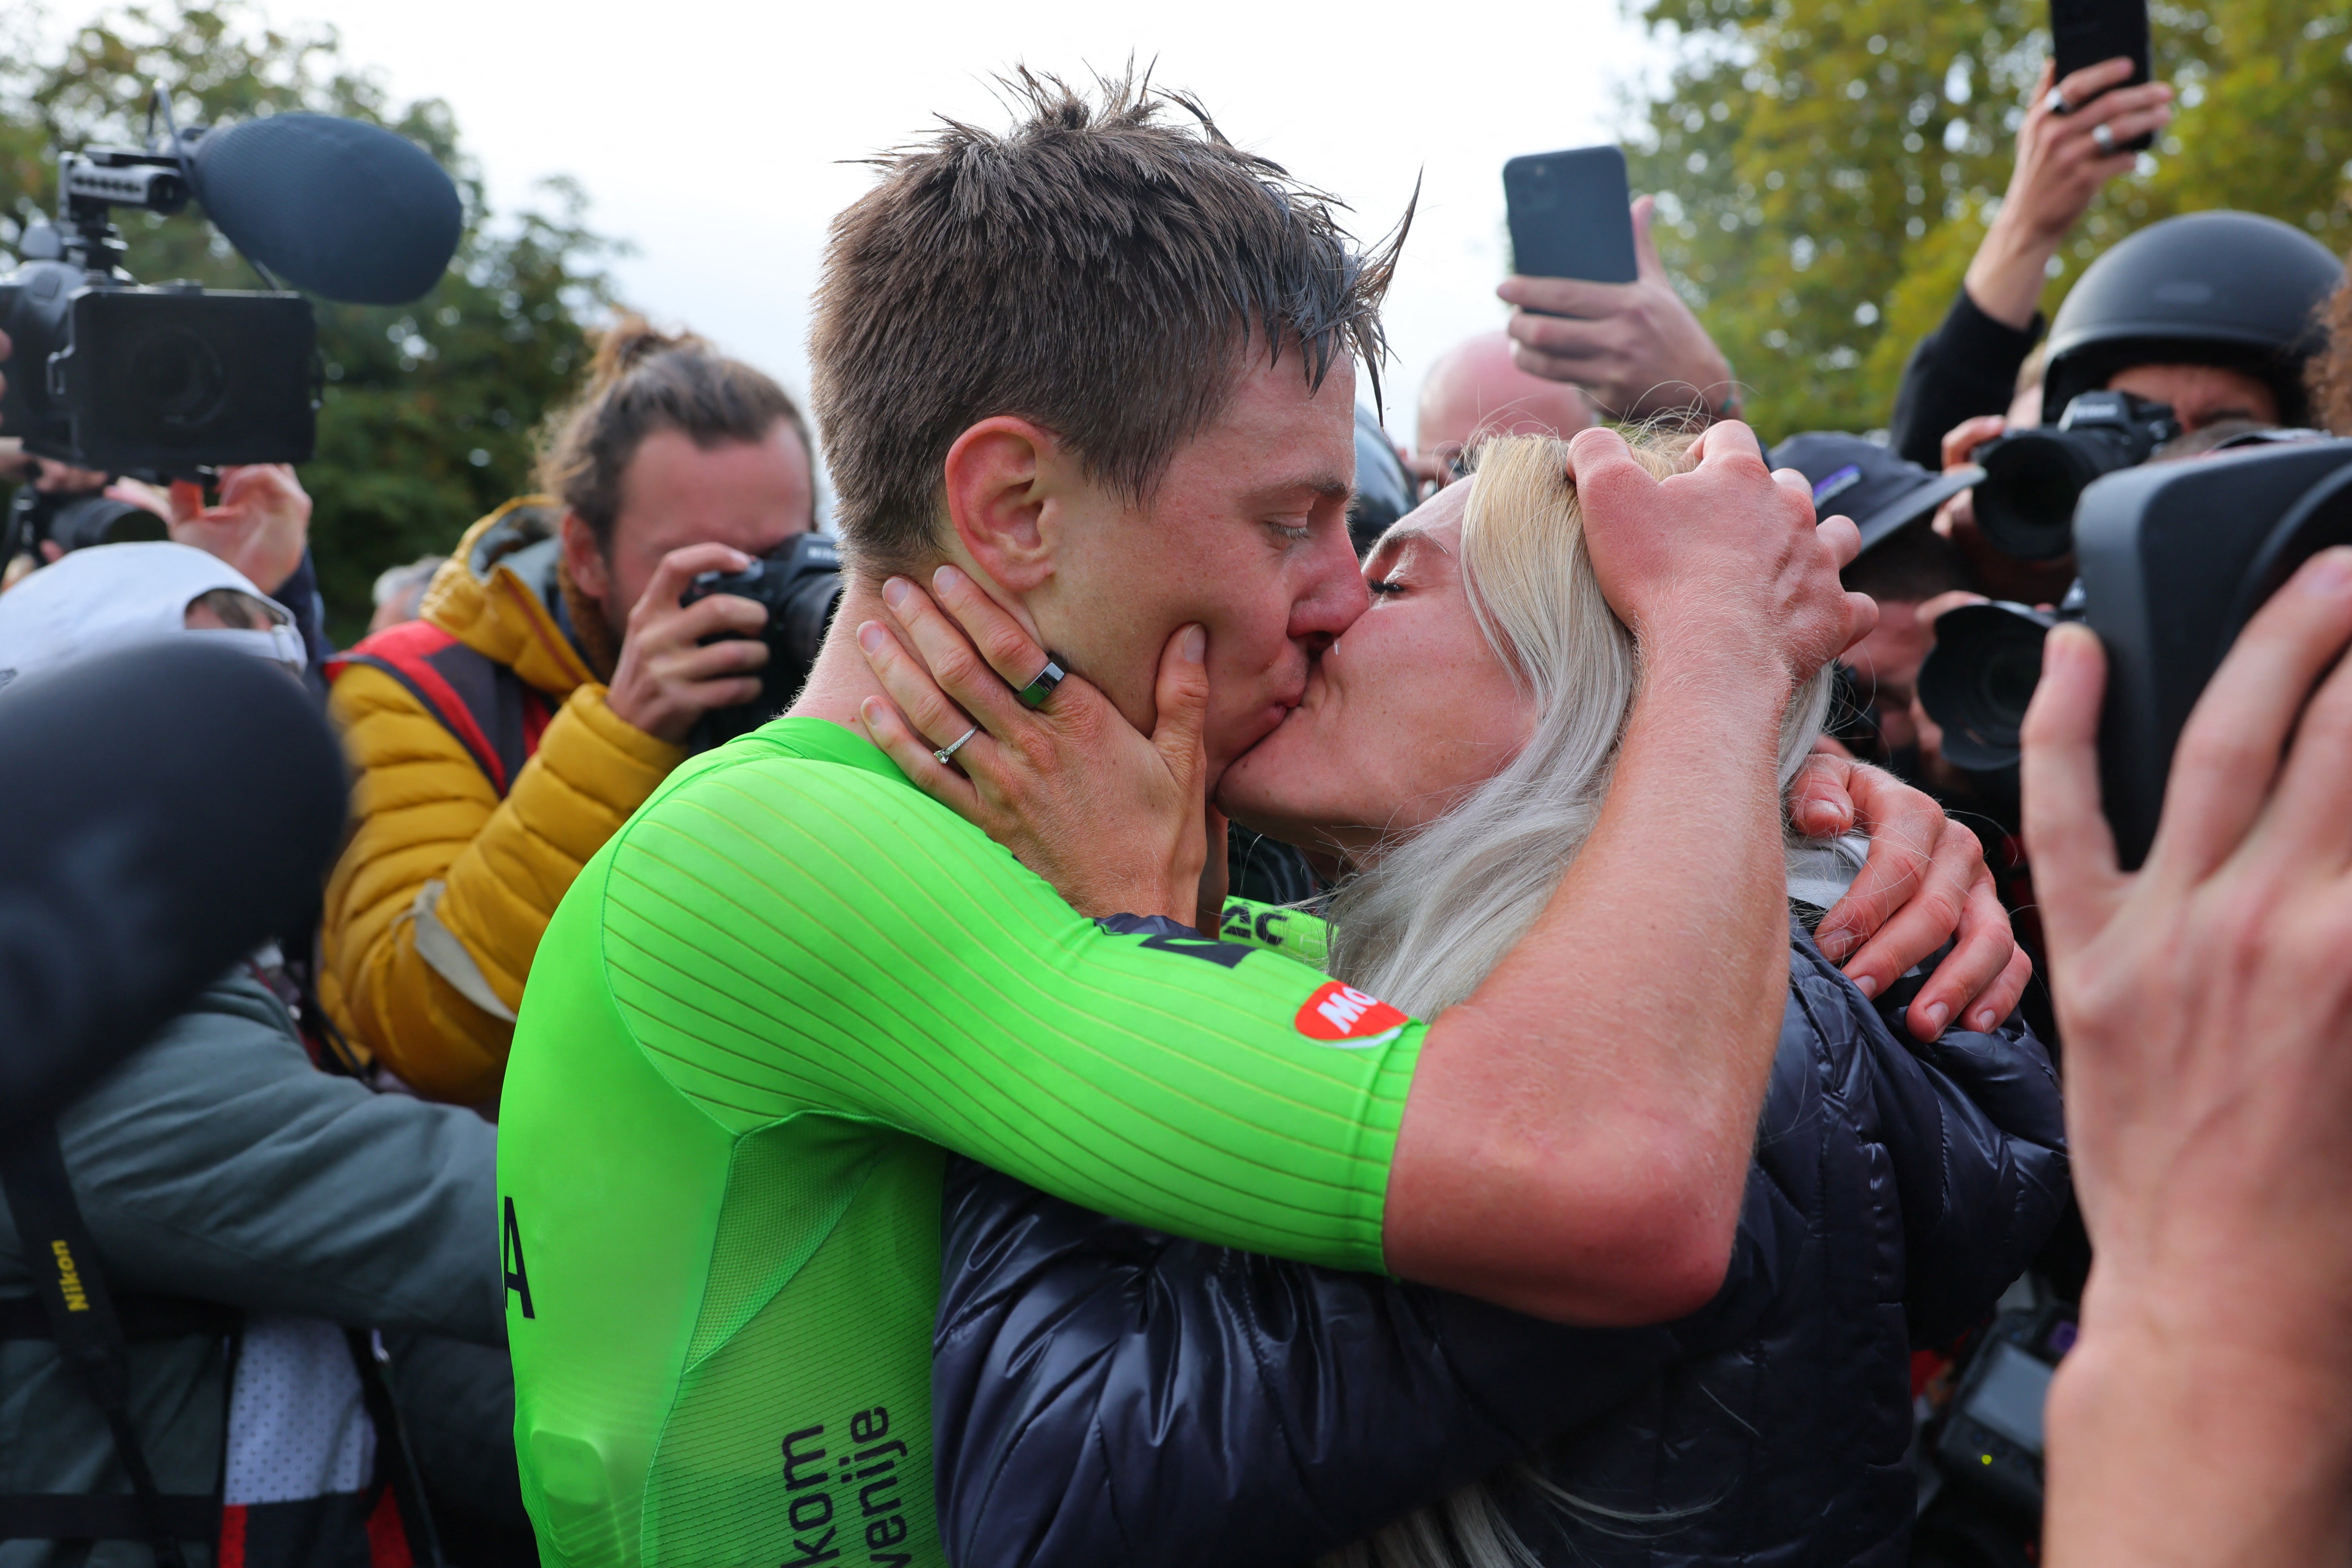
[{"x": 1684, "y": 784}]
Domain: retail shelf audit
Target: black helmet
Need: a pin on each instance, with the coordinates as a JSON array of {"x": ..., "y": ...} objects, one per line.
[
  {"x": 2221, "y": 288},
  {"x": 1384, "y": 491}
]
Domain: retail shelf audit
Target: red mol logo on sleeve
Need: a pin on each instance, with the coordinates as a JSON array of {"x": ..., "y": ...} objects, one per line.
[{"x": 1342, "y": 1016}]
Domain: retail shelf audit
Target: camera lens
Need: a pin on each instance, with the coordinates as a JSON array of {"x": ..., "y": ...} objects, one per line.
[
  {"x": 1978, "y": 682},
  {"x": 2025, "y": 503},
  {"x": 84, "y": 521},
  {"x": 178, "y": 378}
]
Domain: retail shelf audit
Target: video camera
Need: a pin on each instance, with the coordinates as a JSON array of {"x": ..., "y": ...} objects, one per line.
[
  {"x": 800, "y": 586},
  {"x": 2175, "y": 559},
  {"x": 170, "y": 380}
]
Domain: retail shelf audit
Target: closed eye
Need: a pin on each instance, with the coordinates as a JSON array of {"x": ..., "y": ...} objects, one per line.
[{"x": 1385, "y": 585}]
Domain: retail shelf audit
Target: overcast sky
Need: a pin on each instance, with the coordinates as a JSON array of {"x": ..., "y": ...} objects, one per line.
[{"x": 712, "y": 134}]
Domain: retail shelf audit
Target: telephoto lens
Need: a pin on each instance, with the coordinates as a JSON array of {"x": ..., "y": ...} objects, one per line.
[
  {"x": 1981, "y": 675},
  {"x": 2034, "y": 478},
  {"x": 83, "y": 521},
  {"x": 77, "y": 521}
]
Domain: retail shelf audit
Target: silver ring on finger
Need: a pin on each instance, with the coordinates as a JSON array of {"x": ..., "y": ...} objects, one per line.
[
  {"x": 1035, "y": 694},
  {"x": 946, "y": 754},
  {"x": 2056, "y": 103},
  {"x": 2104, "y": 138}
]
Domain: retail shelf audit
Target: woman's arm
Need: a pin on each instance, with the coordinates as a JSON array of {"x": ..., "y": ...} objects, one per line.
[{"x": 1975, "y": 1134}]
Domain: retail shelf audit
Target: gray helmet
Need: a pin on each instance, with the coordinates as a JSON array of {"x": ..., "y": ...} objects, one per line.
[
  {"x": 2219, "y": 287},
  {"x": 1384, "y": 491}
]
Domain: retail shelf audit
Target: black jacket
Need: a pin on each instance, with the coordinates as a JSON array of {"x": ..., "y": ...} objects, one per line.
[
  {"x": 1967, "y": 366},
  {"x": 1103, "y": 1393}
]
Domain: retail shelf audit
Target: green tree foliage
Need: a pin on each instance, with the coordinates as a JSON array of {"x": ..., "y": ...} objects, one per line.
[
  {"x": 429, "y": 408},
  {"x": 1825, "y": 168}
]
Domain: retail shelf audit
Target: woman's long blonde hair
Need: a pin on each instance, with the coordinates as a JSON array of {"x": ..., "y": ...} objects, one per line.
[{"x": 1424, "y": 922}]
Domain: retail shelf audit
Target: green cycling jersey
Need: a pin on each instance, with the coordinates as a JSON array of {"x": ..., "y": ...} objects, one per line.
[{"x": 759, "y": 1017}]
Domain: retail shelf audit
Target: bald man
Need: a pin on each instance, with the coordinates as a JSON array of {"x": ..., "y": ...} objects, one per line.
[{"x": 1474, "y": 391}]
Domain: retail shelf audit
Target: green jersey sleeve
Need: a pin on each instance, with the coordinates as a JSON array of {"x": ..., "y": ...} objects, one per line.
[
  {"x": 791, "y": 928},
  {"x": 1277, "y": 928}
]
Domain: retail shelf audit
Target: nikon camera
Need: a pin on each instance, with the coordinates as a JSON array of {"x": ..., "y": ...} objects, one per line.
[
  {"x": 799, "y": 587},
  {"x": 2175, "y": 559}
]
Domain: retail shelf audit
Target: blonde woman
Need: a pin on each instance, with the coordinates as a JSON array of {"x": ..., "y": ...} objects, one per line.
[{"x": 1105, "y": 1394}]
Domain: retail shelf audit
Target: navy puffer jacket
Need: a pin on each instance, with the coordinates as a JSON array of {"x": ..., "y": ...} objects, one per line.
[{"x": 1103, "y": 1393}]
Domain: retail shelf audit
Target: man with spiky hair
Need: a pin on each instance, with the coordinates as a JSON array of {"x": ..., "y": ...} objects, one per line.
[{"x": 1100, "y": 369}]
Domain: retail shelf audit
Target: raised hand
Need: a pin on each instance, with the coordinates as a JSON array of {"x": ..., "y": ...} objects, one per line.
[
  {"x": 1634, "y": 348},
  {"x": 2061, "y": 165},
  {"x": 260, "y": 525}
]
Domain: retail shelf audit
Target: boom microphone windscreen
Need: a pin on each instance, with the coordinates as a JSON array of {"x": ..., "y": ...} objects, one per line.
[
  {"x": 347, "y": 210},
  {"x": 169, "y": 809}
]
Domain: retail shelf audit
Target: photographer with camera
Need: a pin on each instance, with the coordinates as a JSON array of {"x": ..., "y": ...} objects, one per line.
[
  {"x": 553, "y": 680},
  {"x": 2204, "y": 1415}
]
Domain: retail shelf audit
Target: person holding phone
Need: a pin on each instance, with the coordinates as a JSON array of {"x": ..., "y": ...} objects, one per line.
[
  {"x": 2076, "y": 138},
  {"x": 1633, "y": 348}
]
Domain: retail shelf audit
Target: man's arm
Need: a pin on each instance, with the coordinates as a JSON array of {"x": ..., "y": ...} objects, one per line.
[
  {"x": 437, "y": 903},
  {"x": 786, "y": 937},
  {"x": 2205, "y": 1415},
  {"x": 1594, "y": 1101},
  {"x": 218, "y": 1162}
]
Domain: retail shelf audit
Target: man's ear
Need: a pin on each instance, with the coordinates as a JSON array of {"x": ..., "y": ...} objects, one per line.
[
  {"x": 1000, "y": 476},
  {"x": 584, "y": 558}
]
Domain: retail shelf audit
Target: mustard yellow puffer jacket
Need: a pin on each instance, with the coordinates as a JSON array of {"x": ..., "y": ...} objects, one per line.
[{"x": 443, "y": 891}]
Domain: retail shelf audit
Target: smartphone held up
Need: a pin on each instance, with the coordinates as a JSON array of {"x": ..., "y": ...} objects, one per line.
[
  {"x": 1571, "y": 214},
  {"x": 2086, "y": 33}
]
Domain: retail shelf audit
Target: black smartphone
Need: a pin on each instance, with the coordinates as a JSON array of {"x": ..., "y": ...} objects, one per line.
[
  {"x": 1571, "y": 214},
  {"x": 2086, "y": 32}
]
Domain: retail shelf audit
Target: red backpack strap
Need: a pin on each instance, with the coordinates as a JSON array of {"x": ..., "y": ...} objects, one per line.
[{"x": 480, "y": 702}]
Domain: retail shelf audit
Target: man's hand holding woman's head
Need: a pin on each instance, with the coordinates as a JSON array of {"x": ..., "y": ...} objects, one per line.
[{"x": 1725, "y": 563}]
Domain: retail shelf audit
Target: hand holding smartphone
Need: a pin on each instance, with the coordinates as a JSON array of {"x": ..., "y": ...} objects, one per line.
[
  {"x": 1571, "y": 214},
  {"x": 2086, "y": 33}
]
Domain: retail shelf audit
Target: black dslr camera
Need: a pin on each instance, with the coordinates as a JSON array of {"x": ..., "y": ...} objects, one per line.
[
  {"x": 2025, "y": 503},
  {"x": 800, "y": 586},
  {"x": 1981, "y": 673},
  {"x": 76, "y": 520},
  {"x": 2176, "y": 559},
  {"x": 1991, "y": 1442}
]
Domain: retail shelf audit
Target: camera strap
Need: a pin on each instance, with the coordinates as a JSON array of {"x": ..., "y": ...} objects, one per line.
[{"x": 71, "y": 1283}]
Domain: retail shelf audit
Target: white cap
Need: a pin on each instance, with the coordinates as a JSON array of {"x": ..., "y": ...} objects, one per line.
[{"x": 113, "y": 597}]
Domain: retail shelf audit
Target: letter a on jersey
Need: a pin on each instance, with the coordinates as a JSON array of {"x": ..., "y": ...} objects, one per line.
[{"x": 1340, "y": 1014}]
